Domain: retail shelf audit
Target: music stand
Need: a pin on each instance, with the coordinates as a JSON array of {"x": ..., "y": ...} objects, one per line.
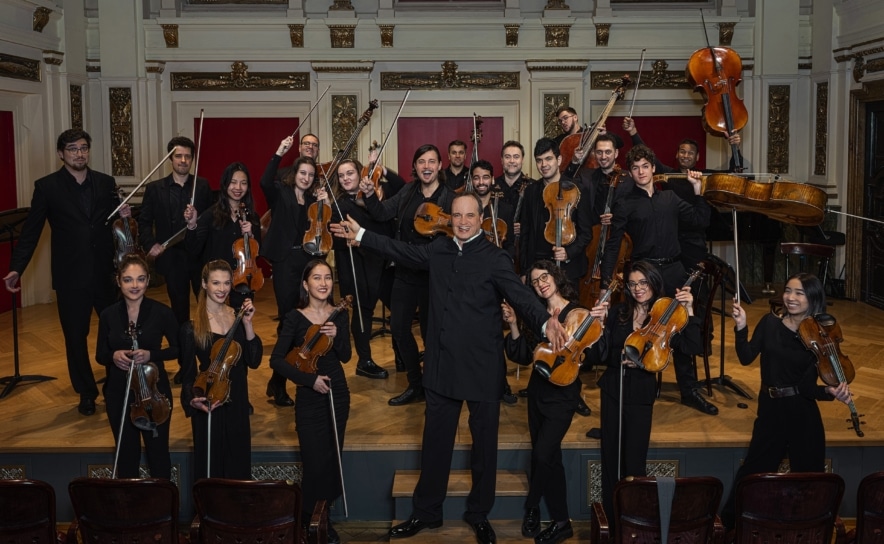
[
  {"x": 728, "y": 287},
  {"x": 10, "y": 230}
]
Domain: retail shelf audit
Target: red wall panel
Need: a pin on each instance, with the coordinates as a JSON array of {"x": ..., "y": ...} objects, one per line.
[
  {"x": 417, "y": 131},
  {"x": 662, "y": 134},
  {"x": 8, "y": 200}
]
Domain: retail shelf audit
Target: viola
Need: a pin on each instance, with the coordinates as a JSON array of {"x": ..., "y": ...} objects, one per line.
[
  {"x": 586, "y": 139},
  {"x": 214, "y": 382},
  {"x": 430, "y": 220},
  {"x": 494, "y": 227},
  {"x": 560, "y": 200},
  {"x": 317, "y": 238},
  {"x": 125, "y": 232},
  {"x": 584, "y": 330},
  {"x": 306, "y": 356},
  {"x": 821, "y": 334},
  {"x": 650, "y": 347},
  {"x": 516, "y": 215},
  {"x": 245, "y": 251},
  {"x": 149, "y": 408}
]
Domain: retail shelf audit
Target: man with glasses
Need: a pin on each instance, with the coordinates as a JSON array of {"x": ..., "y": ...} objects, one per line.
[
  {"x": 309, "y": 147},
  {"x": 566, "y": 117},
  {"x": 76, "y": 200}
]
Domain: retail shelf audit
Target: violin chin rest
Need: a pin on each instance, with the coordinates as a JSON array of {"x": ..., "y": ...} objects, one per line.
[
  {"x": 145, "y": 424},
  {"x": 543, "y": 369},
  {"x": 633, "y": 355}
]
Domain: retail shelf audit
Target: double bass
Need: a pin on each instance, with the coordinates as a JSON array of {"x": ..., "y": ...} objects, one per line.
[
  {"x": 586, "y": 139},
  {"x": 245, "y": 251}
]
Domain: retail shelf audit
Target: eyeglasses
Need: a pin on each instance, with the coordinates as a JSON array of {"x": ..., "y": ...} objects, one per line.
[
  {"x": 564, "y": 118},
  {"x": 78, "y": 150},
  {"x": 541, "y": 278},
  {"x": 640, "y": 283},
  {"x": 310, "y": 144}
]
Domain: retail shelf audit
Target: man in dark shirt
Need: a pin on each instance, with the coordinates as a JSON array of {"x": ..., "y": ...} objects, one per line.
[
  {"x": 568, "y": 121},
  {"x": 456, "y": 174}
]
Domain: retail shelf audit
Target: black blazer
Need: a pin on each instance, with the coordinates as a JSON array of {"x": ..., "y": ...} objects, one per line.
[
  {"x": 82, "y": 245},
  {"x": 284, "y": 231}
]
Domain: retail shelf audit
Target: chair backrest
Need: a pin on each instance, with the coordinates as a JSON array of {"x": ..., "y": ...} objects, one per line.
[
  {"x": 870, "y": 510},
  {"x": 27, "y": 511},
  {"x": 138, "y": 510},
  {"x": 693, "y": 516},
  {"x": 230, "y": 510},
  {"x": 795, "y": 507}
]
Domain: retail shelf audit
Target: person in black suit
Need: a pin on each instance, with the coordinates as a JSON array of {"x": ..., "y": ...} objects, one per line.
[
  {"x": 162, "y": 215},
  {"x": 468, "y": 279},
  {"x": 76, "y": 200}
]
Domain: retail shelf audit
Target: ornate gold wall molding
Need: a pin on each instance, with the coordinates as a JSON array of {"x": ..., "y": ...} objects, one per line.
[
  {"x": 342, "y": 36},
  {"x": 342, "y": 67},
  {"x": 93, "y": 65},
  {"x": 344, "y": 118},
  {"x": 154, "y": 66},
  {"x": 821, "y": 129},
  {"x": 170, "y": 34},
  {"x": 778, "y": 129},
  {"x": 41, "y": 18},
  {"x": 556, "y": 4},
  {"x": 512, "y": 35},
  {"x": 662, "y": 467},
  {"x": 602, "y": 34},
  {"x": 341, "y": 5},
  {"x": 726, "y": 33},
  {"x": 19, "y": 67},
  {"x": 656, "y": 78},
  {"x": 551, "y": 104},
  {"x": 861, "y": 67},
  {"x": 557, "y": 35},
  {"x": 577, "y": 65},
  {"x": 54, "y": 58},
  {"x": 449, "y": 78},
  {"x": 122, "y": 152},
  {"x": 253, "y": 2},
  {"x": 296, "y": 34},
  {"x": 106, "y": 472},
  {"x": 76, "y": 106},
  {"x": 386, "y": 35},
  {"x": 239, "y": 79}
]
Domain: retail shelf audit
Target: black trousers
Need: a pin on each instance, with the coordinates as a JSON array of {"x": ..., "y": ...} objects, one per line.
[
  {"x": 287, "y": 288},
  {"x": 440, "y": 427},
  {"x": 182, "y": 279},
  {"x": 75, "y": 313},
  {"x": 406, "y": 299}
]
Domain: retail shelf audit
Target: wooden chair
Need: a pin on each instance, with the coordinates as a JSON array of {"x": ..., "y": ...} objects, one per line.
[
  {"x": 693, "y": 518},
  {"x": 796, "y": 507},
  {"x": 232, "y": 511},
  {"x": 113, "y": 511},
  {"x": 869, "y": 512},
  {"x": 27, "y": 512}
]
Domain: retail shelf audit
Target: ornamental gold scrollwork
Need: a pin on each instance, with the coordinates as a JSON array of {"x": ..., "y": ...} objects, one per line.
[
  {"x": 239, "y": 79},
  {"x": 77, "y": 106},
  {"x": 778, "y": 129},
  {"x": 19, "y": 67},
  {"x": 296, "y": 35},
  {"x": 449, "y": 78},
  {"x": 122, "y": 151},
  {"x": 342, "y": 36},
  {"x": 557, "y": 35},
  {"x": 170, "y": 35},
  {"x": 821, "y": 129},
  {"x": 551, "y": 104},
  {"x": 344, "y": 119},
  {"x": 602, "y": 34},
  {"x": 657, "y": 78},
  {"x": 386, "y": 35},
  {"x": 726, "y": 33},
  {"x": 41, "y": 18},
  {"x": 512, "y": 35}
]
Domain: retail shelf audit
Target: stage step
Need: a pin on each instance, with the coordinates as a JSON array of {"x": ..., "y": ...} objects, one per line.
[
  {"x": 512, "y": 488},
  {"x": 508, "y": 531}
]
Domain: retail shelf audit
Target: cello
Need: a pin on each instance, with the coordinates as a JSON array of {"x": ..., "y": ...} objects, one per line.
[
  {"x": 586, "y": 138},
  {"x": 821, "y": 334},
  {"x": 245, "y": 250}
]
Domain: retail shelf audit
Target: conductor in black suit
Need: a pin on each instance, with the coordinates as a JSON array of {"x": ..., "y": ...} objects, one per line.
[
  {"x": 469, "y": 277},
  {"x": 76, "y": 200},
  {"x": 162, "y": 215}
]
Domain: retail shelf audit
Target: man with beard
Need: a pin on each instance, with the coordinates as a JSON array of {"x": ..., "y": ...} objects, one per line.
[
  {"x": 76, "y": 200},
  {"x": 482, "y": 176},
  {"x": 456, "y": 174},
  {"x": 568, "y": 121},
  {"x": 595, "y": 181},
  {"x": 411, "y": 285}
]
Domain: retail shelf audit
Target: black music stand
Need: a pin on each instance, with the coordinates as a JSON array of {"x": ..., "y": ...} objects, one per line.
[
  {"x": 728, "y": 287},
  {"x": 10, "y": 230}
]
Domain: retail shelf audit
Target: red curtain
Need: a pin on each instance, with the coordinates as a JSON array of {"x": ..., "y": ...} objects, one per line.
[
  {"x": 662, "y": 134},
  {"x": 8, "y": 200},
  {"x": 440, "y": 131},
  {"x": 251, "y": 141}
]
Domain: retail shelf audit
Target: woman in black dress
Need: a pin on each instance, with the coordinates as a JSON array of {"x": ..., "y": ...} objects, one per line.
[
  {"x": 313, "y": 420},
  {"x": 788, "y": 422},
  {"x": 231, "y": 448},
  {"x": 152, "y": 321}
]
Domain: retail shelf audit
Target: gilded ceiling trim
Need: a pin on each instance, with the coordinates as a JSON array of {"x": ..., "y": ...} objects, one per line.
[
  {"x": 449, "y": 78},
  {"x": 656, "y": 78},
  {"x": 859, "y": 44},
  {"x": 551, "y": 104},
  {"x": 41, "y": 18},
  {"x": 858, "y": 54},
  {"x": 76, "y": 106},
  {"x": 512, "y": 35},
  {"x": 778, "y": 129},
  {"x": 861, "y": 67},
  {"x": 821, "y": 129},
  {"x": 726, "y": 33},
  {"x": 122, "y": 152},
  {"x": 343, "y": 66},
  {"x": 557, "y": 35},
  {"x": 296, "y": 34},
  {"x": 19, "y": 67},
  {"x": 537, "y": 65},
  {"x": 239, "y": 79}
]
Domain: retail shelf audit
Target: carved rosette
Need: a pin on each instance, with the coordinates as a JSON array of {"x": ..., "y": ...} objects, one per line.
[
  {"x": 512, "y": 35},
  {"x": 602, "y": 33},
  {"x": 449, "y": 78},
  {"x": 342, "y": 36},
  {"x": 19, "y": 67},
  {"x": 41, "y": 18},
  {"x": 557, "y": 35},
  {"x": 239, "y": 79},
  {"x": 344, "y": 119},
  {"x": 296, "y": 34},
  {"x": 122, "y": 152},
  {"x": 386, "y": 35},
  {"x": 551, "y": 104},
  {"x": 170, "y": 34},
  {"x": 778, "y": 129},
  {"x": 821, "y": 129},
  {"x": 77, "y": 107},
  {"x": 726, "y": 33},
  {"x": 657, "y": 78}
]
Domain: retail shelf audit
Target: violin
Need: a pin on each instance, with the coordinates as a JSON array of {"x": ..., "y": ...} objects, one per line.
[
  {"x": 317, "y": 238},
  {"x": 149, "y": 408},
  {"x": 245, "y": 250},
  {"x": 494, "y": 227},
  {"x": 584, "y": 330},
  {"x": 214, "y": 382},
  {"x": 430, "y": 220},
  {"x": 306, "y": 356},
  {"x": 560, "y": 200},
  {"x": 586, "y": 139},
  {"x": 125, "y": 232},
  {"x": 650, "y": 347},
  {"x": 821, "y": 334},
  {"x": 373, "y": 173}
]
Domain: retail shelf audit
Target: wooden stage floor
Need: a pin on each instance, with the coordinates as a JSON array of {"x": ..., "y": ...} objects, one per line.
[{"x": 41, "y": 417}]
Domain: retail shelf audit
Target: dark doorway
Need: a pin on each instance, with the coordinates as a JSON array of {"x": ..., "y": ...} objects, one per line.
[{"x": 873, "y": 192}]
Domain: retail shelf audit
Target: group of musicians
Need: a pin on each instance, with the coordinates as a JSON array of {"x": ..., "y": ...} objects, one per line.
[{"x": 463, "y": 287}]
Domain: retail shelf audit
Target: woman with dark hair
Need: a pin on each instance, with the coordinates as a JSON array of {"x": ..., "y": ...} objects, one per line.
[
  {"x": 231, "y": 447},
  {"x": 644, "y": 285},
  {"x": 289, "y": 193},
  {"x": 313, "y": 420},
  {"x": 788, "y": 421},
  {"x": 550, "y": 407},
  {"x": 152, "y": 322}
]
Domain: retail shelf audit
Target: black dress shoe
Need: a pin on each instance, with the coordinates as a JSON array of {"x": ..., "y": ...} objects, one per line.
[
  {"x": 523, "y": 393},
  {"x": 369, "y": 369},
  {"x": 531, "y": 522},
  {"x": 595, "y": 432},
  {"x": 554, "y": 533},
  {"x": 87, "y": 406},
  {"x": 583, "y": 409},
  {"x": 280, "y": 397},
  {"x": 508, "y": 397},
  {"x": 484, "y": 532},
  {"x": 412, "y": 527},
  {"x": 333, "y": 536},
  {"x": 696, "y": 401},
  {"x": 407, "y": 397}
]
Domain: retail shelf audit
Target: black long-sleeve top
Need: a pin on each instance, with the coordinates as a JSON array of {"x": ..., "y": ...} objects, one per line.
[
  {"x": 289, "y": 218},
  {"x": 211, "y": 242},
  {"x": 294, "y": 330},
  {"x": 785, "y": 361},
  {"x": 155, "y": 322},
  {"x": 511, "y": 192}
]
